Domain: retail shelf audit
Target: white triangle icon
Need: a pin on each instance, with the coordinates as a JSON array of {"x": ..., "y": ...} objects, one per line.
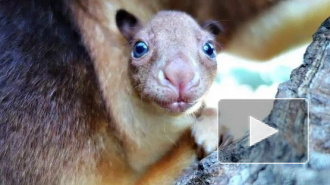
[{"x": 259, "y": 131}]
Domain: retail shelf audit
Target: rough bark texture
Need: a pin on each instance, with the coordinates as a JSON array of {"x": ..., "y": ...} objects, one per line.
[{"x": 311, "y": 81}]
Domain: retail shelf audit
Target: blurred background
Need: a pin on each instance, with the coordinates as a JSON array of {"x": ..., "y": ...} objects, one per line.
[
  {"x": 247, "y": 78},
  {"x": 241, "y": 78},
  {"x": 261, "y": 49},
  {"x": 261, "y": 52}
]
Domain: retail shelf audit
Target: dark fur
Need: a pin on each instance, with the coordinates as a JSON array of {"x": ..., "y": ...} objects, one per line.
[
  {"x": 48, "y": 92},
  {"x": 127, "y": 23}
]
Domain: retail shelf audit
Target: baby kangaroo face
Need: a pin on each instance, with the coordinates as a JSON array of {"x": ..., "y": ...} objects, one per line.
[{"x": 173, "y": 59}]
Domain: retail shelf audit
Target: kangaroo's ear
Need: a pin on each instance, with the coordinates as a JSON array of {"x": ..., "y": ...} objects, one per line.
[
  {"x": 127, "y": 24},
  {"x": 213, "y": 27}
]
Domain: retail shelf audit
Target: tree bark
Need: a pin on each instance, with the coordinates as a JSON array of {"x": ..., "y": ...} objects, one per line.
[{"x": 311, "y": 81}]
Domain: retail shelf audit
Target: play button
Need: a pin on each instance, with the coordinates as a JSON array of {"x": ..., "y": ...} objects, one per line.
[
  {"x": 259, "y": 131},
  {"x": 252, "y": 122}
]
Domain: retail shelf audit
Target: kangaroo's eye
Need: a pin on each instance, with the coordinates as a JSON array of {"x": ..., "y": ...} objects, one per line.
[
  {"x": 209, "y": 50},
  {"x": 140, "y": 48}
]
